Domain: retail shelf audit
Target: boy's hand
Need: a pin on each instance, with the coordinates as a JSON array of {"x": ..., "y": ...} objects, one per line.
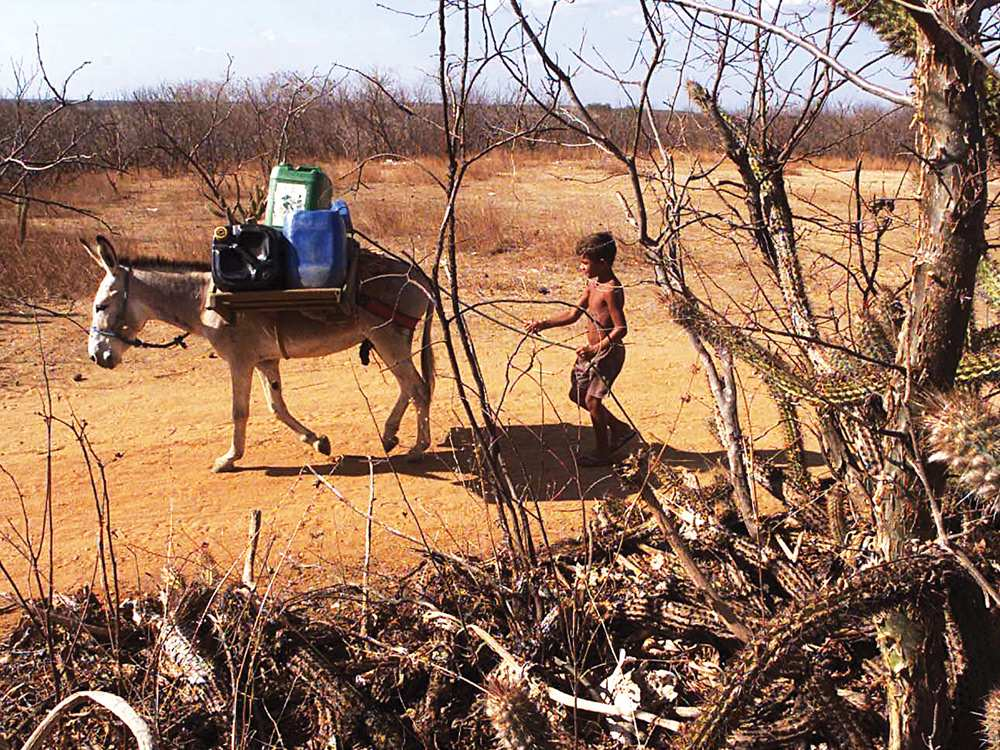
[
  {"x": 587, "y": 352},
  {"x": 534, "y": 326}
]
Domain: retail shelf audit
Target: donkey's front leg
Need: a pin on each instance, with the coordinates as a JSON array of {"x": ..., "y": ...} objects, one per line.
[
  {"x": 270, "y": 380},
  {"x": 242, "y": 377}
]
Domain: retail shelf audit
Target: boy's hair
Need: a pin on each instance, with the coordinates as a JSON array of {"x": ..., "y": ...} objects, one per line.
[{"x": 598, "y": 246}]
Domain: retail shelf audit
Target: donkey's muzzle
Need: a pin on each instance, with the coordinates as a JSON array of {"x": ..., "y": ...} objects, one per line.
[{"x": 103, "y": 359}]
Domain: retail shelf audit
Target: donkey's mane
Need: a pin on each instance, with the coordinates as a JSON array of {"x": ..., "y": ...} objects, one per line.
[{"x": 159, "y": 263}]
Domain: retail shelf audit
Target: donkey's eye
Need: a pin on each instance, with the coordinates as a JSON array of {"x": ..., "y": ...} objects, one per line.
[{"x": 100, "y": 308}]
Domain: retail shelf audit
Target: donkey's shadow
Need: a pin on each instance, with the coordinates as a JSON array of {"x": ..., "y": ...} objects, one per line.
[
  {"x": 539, "y": 459},
  {"x": 435, "y": 464}
]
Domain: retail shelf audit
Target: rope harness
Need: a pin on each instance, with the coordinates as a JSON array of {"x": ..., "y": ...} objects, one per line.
[
  {"x": 375, "y": 307},
  {"x": 382, "y": 310},
  {"x": 116, "y": 332}
]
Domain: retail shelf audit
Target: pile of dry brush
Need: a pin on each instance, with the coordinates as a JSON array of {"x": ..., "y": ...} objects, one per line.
[{"x": 614, "y": 639}]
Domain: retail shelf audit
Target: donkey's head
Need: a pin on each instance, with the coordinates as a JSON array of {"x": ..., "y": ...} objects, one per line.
[{"x": 116, "y": 322}]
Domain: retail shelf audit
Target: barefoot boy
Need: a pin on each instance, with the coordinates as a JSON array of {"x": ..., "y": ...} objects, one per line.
[{"x": 599, "y": 362}]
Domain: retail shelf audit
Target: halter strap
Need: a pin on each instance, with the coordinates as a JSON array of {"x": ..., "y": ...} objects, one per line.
[{"x": 175, "y": 341}]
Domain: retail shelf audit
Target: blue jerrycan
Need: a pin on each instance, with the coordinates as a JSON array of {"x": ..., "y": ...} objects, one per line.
[{"x": 318, "y": 256}]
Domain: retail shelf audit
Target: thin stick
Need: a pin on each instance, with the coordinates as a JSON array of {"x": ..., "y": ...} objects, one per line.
[
  {"x": 431, "y": 551},
  {"x": 556, "y": 695},
  {"x": 368, "y": 547},
  {"x": 253, "y": 537}
]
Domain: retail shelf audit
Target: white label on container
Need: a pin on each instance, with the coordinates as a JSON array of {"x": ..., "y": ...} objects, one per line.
[{"x": 288, "y": 198}]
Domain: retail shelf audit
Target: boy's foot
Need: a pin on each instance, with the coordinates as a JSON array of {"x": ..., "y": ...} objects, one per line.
[{"x": 592, "y": 459}]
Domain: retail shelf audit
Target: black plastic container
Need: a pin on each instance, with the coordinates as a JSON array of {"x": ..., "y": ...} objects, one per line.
[{"x": 248, "y": 257}]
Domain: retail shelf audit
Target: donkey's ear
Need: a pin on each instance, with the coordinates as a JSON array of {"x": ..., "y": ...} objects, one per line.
[
  {"x": 92, "y": 253},
  {"x": 109, "y": 259}
]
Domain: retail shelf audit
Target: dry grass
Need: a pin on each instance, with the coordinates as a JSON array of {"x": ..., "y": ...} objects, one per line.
[
  {"x": 519, "y": 215},
  {"x": 50, "y": 266}
]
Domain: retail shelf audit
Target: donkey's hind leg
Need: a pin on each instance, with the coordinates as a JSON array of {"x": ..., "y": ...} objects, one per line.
[
  {"x": 242, "y": 378},
  {"x": 394, "y": 349},
  {"x": 390, "y": 438},
  {"x": 270, "y": 380}
]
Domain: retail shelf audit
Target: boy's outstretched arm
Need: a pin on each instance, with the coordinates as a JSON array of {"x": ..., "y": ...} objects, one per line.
[{"x": 564, "y": 319}]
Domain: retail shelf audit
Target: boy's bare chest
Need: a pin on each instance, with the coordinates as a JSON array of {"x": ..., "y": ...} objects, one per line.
[{"x": 598, "y": 305}]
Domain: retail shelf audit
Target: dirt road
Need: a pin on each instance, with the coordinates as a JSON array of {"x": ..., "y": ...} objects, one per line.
[{"x": 158, "y": 421}]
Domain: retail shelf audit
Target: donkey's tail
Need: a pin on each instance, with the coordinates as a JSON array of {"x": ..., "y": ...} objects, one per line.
[{"x": 427, "y": 353}]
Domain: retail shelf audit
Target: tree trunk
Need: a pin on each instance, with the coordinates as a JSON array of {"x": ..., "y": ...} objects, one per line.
[
  {"x": 22, "y": 222},
  {"x": 952, "y": 149},
  {"x": 953, "y": 199}
]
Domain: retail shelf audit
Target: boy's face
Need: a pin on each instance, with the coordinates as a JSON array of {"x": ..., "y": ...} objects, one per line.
[{"x": 591, "y": 267}]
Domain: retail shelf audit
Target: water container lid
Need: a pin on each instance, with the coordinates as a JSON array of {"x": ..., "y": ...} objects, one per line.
[
  {"x": 340, "y": 206},
  {"x": 286, "y": 167}
]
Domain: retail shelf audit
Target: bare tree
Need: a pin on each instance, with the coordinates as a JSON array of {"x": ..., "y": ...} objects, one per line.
[
  {"x": 218, "y": 132},
  {"x": 459, "y": 71},
  {"x": 42, "y": 138}
]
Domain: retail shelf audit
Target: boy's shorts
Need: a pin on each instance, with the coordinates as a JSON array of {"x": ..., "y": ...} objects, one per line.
[{"x": 592, "y": 378}]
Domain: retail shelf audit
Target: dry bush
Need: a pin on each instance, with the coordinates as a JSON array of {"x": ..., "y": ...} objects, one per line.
[
  {"x": 464, "y": 652},
  {"x": 393, "y": 171}
]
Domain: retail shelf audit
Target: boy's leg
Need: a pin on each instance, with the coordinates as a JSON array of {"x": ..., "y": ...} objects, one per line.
[
  {"x": 613, "y": 432},
  {"x": 601, "y": 418},
  {"x": 617, "y": 428}
]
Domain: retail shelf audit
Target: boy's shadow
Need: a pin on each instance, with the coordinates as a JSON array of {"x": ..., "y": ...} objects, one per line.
[{"x": 540, "y": 460}]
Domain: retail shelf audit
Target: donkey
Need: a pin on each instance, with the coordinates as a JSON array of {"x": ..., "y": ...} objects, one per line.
[{"x": 134, "y": 292}]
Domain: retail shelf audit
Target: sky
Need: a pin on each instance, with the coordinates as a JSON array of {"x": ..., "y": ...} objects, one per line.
[{"x": 132, "y": 44}]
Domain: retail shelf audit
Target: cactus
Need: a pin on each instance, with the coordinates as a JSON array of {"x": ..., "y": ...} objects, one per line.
[
  {"x": 874, "y": 340},
  {"x": 963, "y": 434},
  {"x": 985, "y": 338},
  {"x": 988, "y": 280},
  {"x": 836, "y": 500},
  {"x": 894, "y": 25},
  {"x": 842, "y": 388},
  {"x": 791, "y": 430},
  {"x": 889, "y": 20},
  {"x": 991, "y": 720},
  {"x": 978, "y": 367},
  {"x": 763, "y": 178},
  {"x": 873, "y": 590},
  {"x": 516, "y": 719},
  {"x": 836, "y": 388}
]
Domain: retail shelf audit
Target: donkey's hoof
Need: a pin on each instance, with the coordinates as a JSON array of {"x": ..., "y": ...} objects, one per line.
[
  {"x": 415, "y": 455},
  {"x": 223, "y": 465},
  {"x": 322, "y": 445},
  {"x": 389, "y": 443}
]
